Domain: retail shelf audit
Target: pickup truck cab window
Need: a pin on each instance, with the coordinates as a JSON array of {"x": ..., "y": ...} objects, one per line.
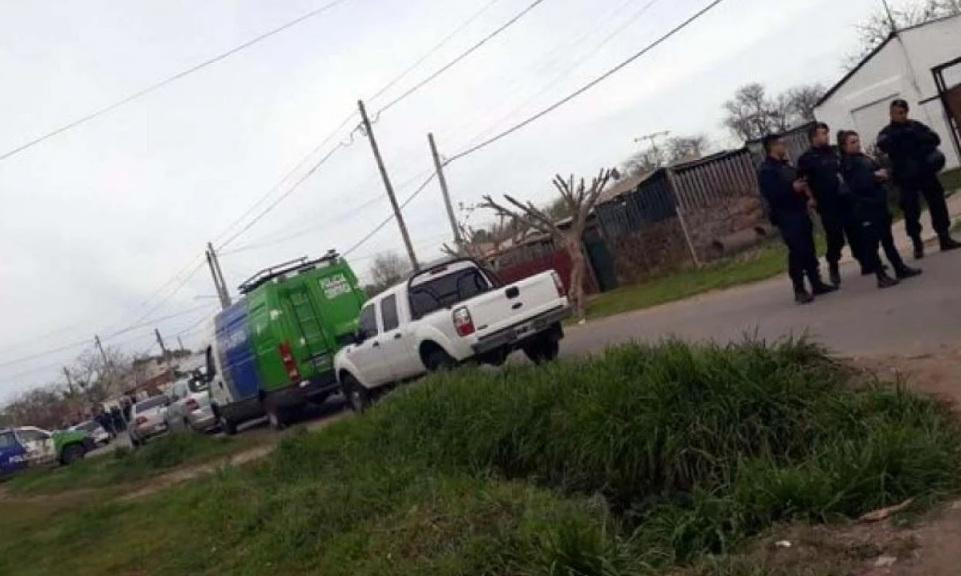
[
  {"x": 388, "y": 313},
  {"x": 367, "y": 323},
  {"x": 446, "y": 287}
]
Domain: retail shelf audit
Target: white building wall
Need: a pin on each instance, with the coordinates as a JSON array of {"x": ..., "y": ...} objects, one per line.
[{"x": 898, "y": 71}]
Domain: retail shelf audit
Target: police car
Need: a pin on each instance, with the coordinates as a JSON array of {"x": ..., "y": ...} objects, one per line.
[{"x": 30, "y": 447}]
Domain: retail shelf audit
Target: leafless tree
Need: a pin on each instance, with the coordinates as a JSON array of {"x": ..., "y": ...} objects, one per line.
[
  {"x": 674, "y": 150},
  {"x": 799, "y": 102},
  {"x": 387, "y": 269},
  {"x": 580, "y": 198},
  {"x": 751, "y": 113},
  {"x": 878, "y": 26}
]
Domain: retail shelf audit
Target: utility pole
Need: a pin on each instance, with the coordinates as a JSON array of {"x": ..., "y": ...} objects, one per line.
[
  {"x": 652, "y": 138},
  {"x": 69, "y": 379},
  {"x": 103, "y": 355},
  {"x": 218, "y": 275},
  {"x": 163, "y": 349},
  {"x": 443, "y": 190},
  {"x": 390, "y": 189},
  {"x": 181, "y": 343}
]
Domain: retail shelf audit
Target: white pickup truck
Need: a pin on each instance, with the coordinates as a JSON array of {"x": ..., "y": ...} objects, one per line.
[{"x": 445, "y": 315}]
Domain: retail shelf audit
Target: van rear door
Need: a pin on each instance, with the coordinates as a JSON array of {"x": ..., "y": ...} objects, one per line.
[{"x": 310, "y": 328}]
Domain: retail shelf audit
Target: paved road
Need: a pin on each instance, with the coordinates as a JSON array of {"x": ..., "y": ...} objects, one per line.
[{"x": 920, "y": 316}]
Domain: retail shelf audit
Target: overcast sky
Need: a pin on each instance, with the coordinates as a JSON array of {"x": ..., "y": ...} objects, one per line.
[{"x": 95, "y": 220}]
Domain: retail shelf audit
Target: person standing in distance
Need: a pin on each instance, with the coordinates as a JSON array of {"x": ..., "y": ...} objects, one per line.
[
  {"x": 916, "y": 160},
  {"x": 788, "y": 200},
  {"x": 820, "y": 167},
  {"x": 865, "y": 178}
]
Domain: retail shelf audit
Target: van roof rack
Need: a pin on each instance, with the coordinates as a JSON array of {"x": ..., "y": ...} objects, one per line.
[{"x": 298, "y": 266}]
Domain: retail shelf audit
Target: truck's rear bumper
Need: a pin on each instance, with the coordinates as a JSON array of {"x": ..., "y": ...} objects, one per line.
[{"x": 514, "y": 335}]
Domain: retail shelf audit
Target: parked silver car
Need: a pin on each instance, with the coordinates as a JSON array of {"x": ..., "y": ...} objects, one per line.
[
  {"x": 190, "y": 405},
  {"x": 148, "y": 419}
]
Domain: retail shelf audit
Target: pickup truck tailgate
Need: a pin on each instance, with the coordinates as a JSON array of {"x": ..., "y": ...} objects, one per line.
[{"x": 514, "y": 303}]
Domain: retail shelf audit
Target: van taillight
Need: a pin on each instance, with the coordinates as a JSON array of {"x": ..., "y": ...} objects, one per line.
[
  {"x": 463, "y": 322},
  {"x": 192, "y": 404},
  {"x": 559, "y": 284},
  {"x": 287, "y": 357},
  {"x": 140, "y": 421}
]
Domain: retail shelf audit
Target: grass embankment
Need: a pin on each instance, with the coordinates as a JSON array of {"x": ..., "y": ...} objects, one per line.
[
  {"x": 631, "y": 463},
  {"x": 761, "y": 264},
  {"x": 125, "y": 466}
]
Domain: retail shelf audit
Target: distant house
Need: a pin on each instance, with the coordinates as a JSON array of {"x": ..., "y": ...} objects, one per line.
[{"x": 922, "y": 65}]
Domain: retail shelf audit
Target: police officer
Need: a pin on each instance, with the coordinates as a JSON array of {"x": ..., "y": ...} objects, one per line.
[
  {"x": 788, "y": 199},
  {"x": 913, "y": 150},
  {"x": 865, "y": 178},
  {"x": 820, "y": 168}
]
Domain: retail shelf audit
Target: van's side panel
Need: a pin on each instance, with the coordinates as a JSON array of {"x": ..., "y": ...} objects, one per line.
[{"x": 236, "y": 352}]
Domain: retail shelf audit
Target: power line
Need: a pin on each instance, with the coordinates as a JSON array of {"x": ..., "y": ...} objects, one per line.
[
  {"x": 456, "y": 31},
  {"x": 433, "y": 76},
  {"x": 390, "y": 218},
  {"x": 571, "y": 68},
  {"x": 585, "y": 87},
  {"x": 168, "y": 80}
]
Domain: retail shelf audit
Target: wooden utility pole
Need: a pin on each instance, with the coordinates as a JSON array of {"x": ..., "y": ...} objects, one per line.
[
  {"x": 218, "y": 275},
  {"x": 181, "y": 343},
  {"x": 69, "y": 379},
  {"x": 439, "y": 166},
  {"x": 103, "y": 355},
  {"x": 390, "y": 188},
  {"x": 163, "y": 348},
  {"x": 652, "y": 138}
]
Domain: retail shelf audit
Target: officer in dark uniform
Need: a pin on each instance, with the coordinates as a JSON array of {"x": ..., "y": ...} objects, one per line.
[
  {"x": 865, "y": 179},
  {"x": 820, "y": 168},
  {"x": 913, "y": 150},
  {"x": 788, "y": 198}
]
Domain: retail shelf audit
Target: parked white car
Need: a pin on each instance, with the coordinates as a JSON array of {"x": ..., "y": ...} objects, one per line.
[
  {"x": 190, "y": 405},
  {"x": 97, "y": 432},
  {"x": 445, "y": 315},
  {"x": 148, "y": 419}
]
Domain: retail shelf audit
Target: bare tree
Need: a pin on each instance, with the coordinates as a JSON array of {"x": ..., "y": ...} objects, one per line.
[
  {"x": 800, "y": 101},
  {"x": 751, "y": 114},
  {"x": 580, "y": 199},
  {"x": 387, "y": 269},
  {"x": 878, "y": 26},
  {"x": 674, "y": 150},
  {"x": 686, "y": 148}
]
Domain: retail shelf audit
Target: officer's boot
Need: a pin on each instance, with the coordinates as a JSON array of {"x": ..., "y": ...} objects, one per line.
[
  {"x": 885, "y": 281},
  {"x": 904, "y": 271},
  {"x": 802, "y": 296},
  {"x": 834, "y": 272},
  {"x": 918, "y": 247},
  {"x": 819, "y": 288},
  {"x": 948, "y": 243}
]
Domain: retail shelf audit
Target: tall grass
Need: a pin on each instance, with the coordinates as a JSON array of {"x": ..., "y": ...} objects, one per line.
[{"x": 626, "y": 464}]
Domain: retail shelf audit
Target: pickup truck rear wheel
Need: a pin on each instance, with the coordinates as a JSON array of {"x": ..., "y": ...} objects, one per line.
[
  {"x": 436, "y": 359},
  {"x": 542, "y": 350},
  {"x": 72, "y": 453},
  {"x": 358, "y": 397}
]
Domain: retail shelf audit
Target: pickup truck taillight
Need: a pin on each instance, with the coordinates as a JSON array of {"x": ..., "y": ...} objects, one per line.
[
  {"x": 559, "y": 284},
  {"x": 463, "y": 322},
  {"x": 290, "y": 365},
  {"x": 191, "y": 404}
]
